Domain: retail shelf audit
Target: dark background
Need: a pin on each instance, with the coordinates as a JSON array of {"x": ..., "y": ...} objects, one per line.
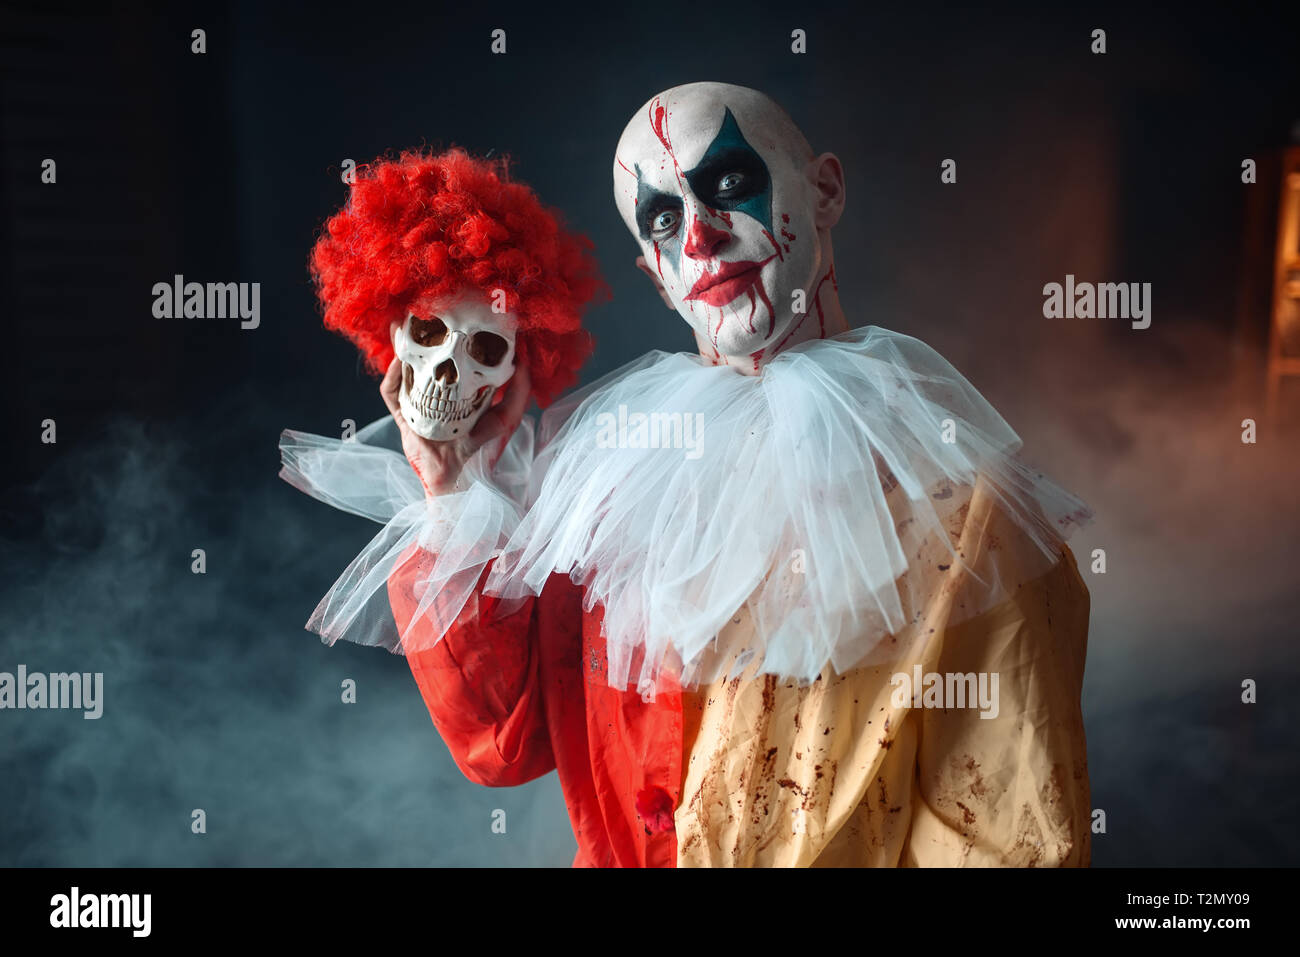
[{"x": 1122, "y": 167}]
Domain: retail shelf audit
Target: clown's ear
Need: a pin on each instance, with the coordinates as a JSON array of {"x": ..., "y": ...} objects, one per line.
[
  {"x": 827, "y": 178},
  {"x": 644, "y": 266}
]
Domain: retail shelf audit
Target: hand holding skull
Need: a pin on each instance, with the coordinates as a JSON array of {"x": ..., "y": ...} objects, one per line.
[{"x": 440, "y": 385}]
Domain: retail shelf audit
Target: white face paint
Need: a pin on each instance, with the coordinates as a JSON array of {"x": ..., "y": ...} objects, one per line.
[
  {"x": 452, "y": 364},
  {"x": 711, "y": 182}
]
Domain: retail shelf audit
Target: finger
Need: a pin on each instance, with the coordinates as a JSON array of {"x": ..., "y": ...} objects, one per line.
[
  {"x": 388, "y": 389},
  {"x": 503, "y": 418}
]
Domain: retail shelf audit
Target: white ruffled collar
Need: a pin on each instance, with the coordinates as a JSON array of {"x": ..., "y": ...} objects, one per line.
[{"x": 809, "y": 504}]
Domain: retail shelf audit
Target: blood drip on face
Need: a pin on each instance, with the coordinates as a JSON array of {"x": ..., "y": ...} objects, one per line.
[
  {"x": 786, "y": 337},
  {"x": 817, "y": 300},
  {"x": 821, "y": 318},
  {"x": 785, "y": 233},
  {"x": 659, "y": 124},
  {"x": 771, "y": 313},
  {"x": 775, "y": 245}
]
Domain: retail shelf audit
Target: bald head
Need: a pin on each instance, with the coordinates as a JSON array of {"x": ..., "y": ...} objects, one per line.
[
  {"x": 683, "y": 121},
  {"x": 729, "y": 204}
]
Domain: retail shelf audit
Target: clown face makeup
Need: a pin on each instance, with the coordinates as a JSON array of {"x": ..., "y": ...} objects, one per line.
[
  {"x": 711, "y": 180},
  {"x": 453, "y": 361}
]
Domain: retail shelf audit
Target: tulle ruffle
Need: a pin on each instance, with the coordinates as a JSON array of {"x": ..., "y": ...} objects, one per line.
[
  {"x": 453, "y": 537},
  {"x": 820, "y": 503}
]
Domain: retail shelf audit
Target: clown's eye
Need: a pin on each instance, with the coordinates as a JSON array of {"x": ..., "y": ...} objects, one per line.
[
  {"x": 665, "y": 224},
  {"x": 730, "y": 183},
  {"x": 428, "y": 332},
  {"x": 728, "y": 178}
]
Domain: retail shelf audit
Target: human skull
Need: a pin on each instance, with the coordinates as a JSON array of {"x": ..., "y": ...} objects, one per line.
[{"x": 452, "y": 364}]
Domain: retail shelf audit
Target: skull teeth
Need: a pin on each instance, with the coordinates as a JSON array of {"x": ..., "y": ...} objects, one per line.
[{"x": 442, "y": 404}]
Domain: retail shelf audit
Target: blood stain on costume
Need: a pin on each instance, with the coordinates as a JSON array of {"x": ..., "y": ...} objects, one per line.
[
  {"x": 1029, "y": 839},
  {"x": 978, "y": 788},
  {"x": 967, "y": 815},
  {"x": 692, "y": 839},
  {"x": 1053, "y": 792}
]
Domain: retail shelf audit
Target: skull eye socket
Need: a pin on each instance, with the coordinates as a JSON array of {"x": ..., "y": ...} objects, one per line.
[
  {"x": 428, "y": 332},
  {"x": 488, "y": 348}
]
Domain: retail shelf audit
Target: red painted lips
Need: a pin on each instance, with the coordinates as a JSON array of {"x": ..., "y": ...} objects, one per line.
[{"x": 731, "y": 279}]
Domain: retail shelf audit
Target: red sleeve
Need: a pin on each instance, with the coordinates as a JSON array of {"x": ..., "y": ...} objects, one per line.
[{"x": 481, "y": 683}]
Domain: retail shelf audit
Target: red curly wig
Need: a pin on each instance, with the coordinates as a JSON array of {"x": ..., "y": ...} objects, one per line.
[{"x": 423, "y": 229}]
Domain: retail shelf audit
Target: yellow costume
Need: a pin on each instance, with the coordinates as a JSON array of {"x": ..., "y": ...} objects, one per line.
[{"x": 839, "y": 773}]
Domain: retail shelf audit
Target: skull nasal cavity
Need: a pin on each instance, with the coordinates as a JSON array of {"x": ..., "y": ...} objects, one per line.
[{"x": 445, "y": 371}]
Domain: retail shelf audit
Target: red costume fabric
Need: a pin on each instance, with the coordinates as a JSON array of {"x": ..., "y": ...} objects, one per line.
[{"x": 517, "y": 696}]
